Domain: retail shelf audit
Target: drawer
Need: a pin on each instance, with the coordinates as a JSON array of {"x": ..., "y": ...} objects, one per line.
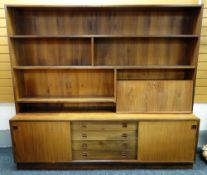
[
  {"x": 106, "y": 135},
  {"x": 104, "y": 126},
  {"x": 104, "y": 145},
  {"x": 104, "y": 155}
]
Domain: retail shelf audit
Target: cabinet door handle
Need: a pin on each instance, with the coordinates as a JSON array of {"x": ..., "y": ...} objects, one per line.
[
  {"x": 194, "y": 126},
  {"x": 14, "y": 127}
]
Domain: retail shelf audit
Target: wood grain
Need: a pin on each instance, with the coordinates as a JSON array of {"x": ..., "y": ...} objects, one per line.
[
  {"x": 106, "y": 135},
  {"x": 140, "y": 96},
  {"x": 156, "y": 74},
  {"x": 98, "y": 20},
  {"x": 41, "y": 141},
  {"x": 104, "y": 145},
  {"x": 67, "y": 83},
  {"x": 132, "y": 51},
  {"x": 98, "y": 116},
  {"x": 157, "y": 141},
  {"x": 104, "y": 155},
  {"x": 103, "y": 126},
  {"x": 53, "y": 51}
]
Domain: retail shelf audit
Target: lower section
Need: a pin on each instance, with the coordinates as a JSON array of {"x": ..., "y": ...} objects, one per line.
[
  {"x": 108, "y": 165},
  {"x": 88, "y": 140}
]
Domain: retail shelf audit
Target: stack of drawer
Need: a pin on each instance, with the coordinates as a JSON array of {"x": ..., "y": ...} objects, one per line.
[{"x": 97, "y": 140}]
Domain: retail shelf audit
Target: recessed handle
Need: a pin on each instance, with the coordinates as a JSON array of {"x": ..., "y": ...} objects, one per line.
[
  {"x": 14, "y": 127},
  {"x": 84, "y": 125},
  {"x": 124, "y": 135},
  {"x": 125, "y": 145},
  {"x": 124, "y": 125},
  {"x": 84, "y": 145},
  {"x": 84, "y": 154},
  {"x": 84, "y": 135},
  {"x": 194, "y": 126},
  {"x": 123, "y": 154}
]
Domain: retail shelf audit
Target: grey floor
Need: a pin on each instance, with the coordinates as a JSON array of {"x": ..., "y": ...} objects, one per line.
[{"x": 7, "y": 167}]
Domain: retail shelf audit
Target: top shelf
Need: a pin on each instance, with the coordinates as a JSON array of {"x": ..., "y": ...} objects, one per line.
[{"x": 103, "y": 36}]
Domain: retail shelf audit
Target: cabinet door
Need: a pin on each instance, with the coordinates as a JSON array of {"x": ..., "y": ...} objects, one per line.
[
  {"x": 154, "y": 96},
  {"x": 41, "y": 141},
  {"x": 167, "y": 141}
]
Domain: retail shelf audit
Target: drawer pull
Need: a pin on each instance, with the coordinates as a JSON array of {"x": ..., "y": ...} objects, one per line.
[
  {"x": 84, "y": 135},
  {"x": 125, "y": 145},
  {"x": 124, "y": 125},
  {"x": 124, "y": 135},
  {"x": 123, "y": 154},
  {"x": 84, "y": 154},
  {"x": 84, "y": 145},
  {"x": 84, "y": 125}
]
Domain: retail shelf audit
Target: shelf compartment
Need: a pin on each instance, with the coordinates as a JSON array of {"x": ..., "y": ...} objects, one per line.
[
  {"x": 52, "y": 51},
  {"x": 66, "y": 100},
  {"x": 103, "y": 20},
  {"x": 155, "y": 74},
  {"x": 154, "y": 96},
  {"x": 34, "y": 107},
  {"x": 76, "y": 84},
  {"x": 144, "y": 51}
]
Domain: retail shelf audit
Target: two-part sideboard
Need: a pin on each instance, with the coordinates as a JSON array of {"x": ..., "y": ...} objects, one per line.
[{"x": 104, "y": 86}]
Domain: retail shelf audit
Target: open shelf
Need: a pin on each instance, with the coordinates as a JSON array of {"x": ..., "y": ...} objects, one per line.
[
  {"x": 53, "y": 51},
  {"x": 144, "y": 51},
  {"x": 84, "y": 84},
  {"x": 155, "y": 74},
  {"x": 105, "y": 20},
  {"x": 66, "y": 100}
]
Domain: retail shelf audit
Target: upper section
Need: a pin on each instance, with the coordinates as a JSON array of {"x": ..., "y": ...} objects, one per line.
[
  {"x": 133, "y": 21},
  {"x": 68, "y": 58}
]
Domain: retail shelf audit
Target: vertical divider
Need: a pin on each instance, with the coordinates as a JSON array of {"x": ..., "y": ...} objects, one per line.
[
  {"x": 92, "y": 51},
  {"x": 115, "y": 80}
]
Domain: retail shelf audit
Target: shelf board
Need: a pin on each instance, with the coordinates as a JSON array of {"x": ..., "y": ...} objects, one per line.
[
  {"x": 104, "y": 67},
  {"x": 102, "y": 36},
  {"x": 66, "y": 100},
  {"x": 63, "y": 67}
]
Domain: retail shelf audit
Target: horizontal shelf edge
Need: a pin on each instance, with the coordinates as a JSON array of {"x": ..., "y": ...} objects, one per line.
[
  {"x": 65, "y": 100},
  {"x": 102, "y": 67},
  {"x": 102, "y": 36}
]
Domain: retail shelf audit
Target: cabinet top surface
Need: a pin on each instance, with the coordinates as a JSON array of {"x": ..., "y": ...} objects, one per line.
[{"x": 99, "y": 117}]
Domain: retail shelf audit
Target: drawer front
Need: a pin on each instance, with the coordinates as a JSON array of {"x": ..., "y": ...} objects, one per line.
[
  {"x": 104, "y": 126},
  {"x": 104, "y": 145},
  {"x": 103, "y": 135},
  {"x": 104, "y": 155}
]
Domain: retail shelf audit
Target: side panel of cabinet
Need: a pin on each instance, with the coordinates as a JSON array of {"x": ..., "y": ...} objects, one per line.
[
  {"x": 167, "y": 141},
  {"x": 41, "y": 141}
]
